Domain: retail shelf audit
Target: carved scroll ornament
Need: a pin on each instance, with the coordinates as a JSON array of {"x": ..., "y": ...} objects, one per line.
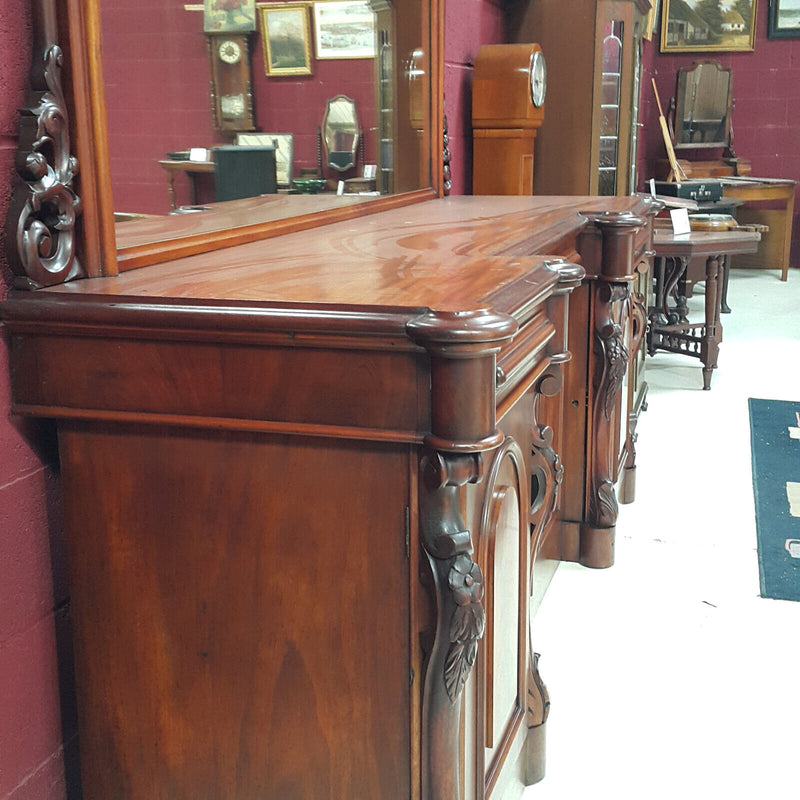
[{"x": 45, "y": 230}]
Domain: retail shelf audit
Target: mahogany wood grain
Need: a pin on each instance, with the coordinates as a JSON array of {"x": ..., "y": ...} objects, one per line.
[
  {"x": 290, "y": 467},
  {"x": 224, "y": 644}
]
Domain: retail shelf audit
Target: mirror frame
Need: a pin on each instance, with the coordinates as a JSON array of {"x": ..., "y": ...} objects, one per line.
[
  {"x": 680, "y": 102},
  {"x": 326, "y": 149},
  {"x": 76, "y": 91}
]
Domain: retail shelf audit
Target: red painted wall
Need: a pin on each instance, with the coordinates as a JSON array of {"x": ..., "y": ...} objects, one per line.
[
  {"x": 766, "y": 90},
  {"x": 140, "y": 66},
  {"x": 33, "y": 608}
]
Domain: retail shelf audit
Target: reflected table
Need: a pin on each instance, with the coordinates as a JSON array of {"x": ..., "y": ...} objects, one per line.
[
  {"x": 190, "y": 168},
  {"x": 669, "y": 328}
]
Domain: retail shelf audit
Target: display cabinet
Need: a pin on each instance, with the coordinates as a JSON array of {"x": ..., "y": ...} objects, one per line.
[{"x": 588, "y": 142}]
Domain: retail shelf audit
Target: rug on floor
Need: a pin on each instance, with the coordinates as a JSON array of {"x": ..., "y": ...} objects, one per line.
[{"x": 775, "y": 450}]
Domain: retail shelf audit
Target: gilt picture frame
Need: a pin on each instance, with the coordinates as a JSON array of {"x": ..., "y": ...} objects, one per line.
[
  {"x": 783, "y": 20},
  {"x": 286, "y": 36},
  {"x": 229, "y": 16},
  {"x": 702, "y": 26}
]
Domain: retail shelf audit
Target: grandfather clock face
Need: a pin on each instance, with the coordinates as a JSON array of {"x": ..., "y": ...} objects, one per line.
[
  {"x": 538, "y": 78},
  {"x": 231, "y": 81}
]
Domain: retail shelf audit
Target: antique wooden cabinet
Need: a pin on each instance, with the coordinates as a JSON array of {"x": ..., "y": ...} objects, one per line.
[
  {"x": 605, "y": 390},
  {"x": 306, "y": 488},
  {"x": 588, "y": 142}
]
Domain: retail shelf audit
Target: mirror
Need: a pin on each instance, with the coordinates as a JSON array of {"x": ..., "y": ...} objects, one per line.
[
  {"x": 702, "y": 115},
  {"x": 104, "y": 78},
  {"x": 340, "y": 133}
]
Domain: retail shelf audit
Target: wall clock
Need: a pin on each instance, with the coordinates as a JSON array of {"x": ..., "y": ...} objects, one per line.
[
  {"x": 508, "y": 91},
  {"x": 231, "y": 81},
  {"x": 229, "y": 51}
]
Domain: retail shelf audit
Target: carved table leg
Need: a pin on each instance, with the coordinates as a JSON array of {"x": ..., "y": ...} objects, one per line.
[
  {"x": 171, "y": 190},
  {"x": 724, "y": 266},
  {"x": 712, "y": 335}
]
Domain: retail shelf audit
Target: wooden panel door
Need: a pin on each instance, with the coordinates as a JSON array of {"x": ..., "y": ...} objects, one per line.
[{"x": 242, "y": 612}]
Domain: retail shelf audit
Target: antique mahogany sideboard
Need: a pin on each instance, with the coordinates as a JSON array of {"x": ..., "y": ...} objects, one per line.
[{"x": 308, "y": 482}]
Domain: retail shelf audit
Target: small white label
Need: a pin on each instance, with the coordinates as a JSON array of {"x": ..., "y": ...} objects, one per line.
[
  {"x": 793, "y": 496},
  {"x": 198, "y": 154},
  {"x": 680, "y": 221},
  {"x": 340, "y": 187}
]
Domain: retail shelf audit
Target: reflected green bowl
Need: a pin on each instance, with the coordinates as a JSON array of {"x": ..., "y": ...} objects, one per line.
[{"x": 310, "y": 185}]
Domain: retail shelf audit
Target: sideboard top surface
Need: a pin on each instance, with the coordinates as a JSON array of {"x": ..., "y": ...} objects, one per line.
[{"x": 443, "y": 255}]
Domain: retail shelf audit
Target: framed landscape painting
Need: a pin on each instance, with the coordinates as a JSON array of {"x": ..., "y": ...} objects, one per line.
[
  {"x": 286, "y": 34},
  {"x": 784, "y": 19},
  {"x": 707, "y": 25}
]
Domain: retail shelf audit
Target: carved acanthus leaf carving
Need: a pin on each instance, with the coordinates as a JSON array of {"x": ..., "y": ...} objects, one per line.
[
  {"x": 467, "y": 624},
  {"x": 46, "y": 226}
]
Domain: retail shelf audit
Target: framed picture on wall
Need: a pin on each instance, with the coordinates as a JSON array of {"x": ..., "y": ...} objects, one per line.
[
  {"x": 344, "y": 29},
  {"x": 286, "y": 34},
  {"x": 284, "y": 152},
  {"x": 652, "y": 19},
  {"x": 707, "y": 25},
  {"x": 784, "y": 19},
  {"x": 225, "y": 16}
]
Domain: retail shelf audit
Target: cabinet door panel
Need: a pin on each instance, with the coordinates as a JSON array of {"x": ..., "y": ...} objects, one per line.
[{"x": 243, "y": 613}]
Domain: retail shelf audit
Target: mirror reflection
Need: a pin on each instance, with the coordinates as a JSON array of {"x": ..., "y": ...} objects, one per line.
[
  {"x": 176, "y": 92},
  {"x": 703, "y": 106},
  {"x": 340, "y": 133}
]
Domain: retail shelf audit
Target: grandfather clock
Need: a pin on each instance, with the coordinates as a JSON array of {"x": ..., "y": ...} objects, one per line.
[{"x": 507, "y": 110}]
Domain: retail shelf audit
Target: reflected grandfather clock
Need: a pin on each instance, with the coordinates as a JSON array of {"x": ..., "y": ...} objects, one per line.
[
  {"x": 231, "y": 81},
  {"x": 508, "y": 94}
]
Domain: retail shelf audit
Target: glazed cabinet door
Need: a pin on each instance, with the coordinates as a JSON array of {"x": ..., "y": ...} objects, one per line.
[{"x": 242, "y": 610}]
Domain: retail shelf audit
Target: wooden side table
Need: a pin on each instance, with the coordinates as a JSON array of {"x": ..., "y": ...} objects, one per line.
[
  {"x": 757, "y": 190},
  {"x": 669, "y": 327},
  {"x": 190, "y": 168}
]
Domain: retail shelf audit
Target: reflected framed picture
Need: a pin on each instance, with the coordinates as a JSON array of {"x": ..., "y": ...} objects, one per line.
[
  {"x": 783, "y": 21},
  {"x": 225, "y": 16},
  {"x": 344, "y": 29},
  {"x": 284, "y": 152},
  {"x": 703, "y": 26},
  {"x": 286, "y": 34}
]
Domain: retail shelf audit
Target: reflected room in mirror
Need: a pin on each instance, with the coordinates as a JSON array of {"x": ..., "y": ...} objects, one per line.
[
  {"x": 153, "y": 94},
  {"x": 703, "y": 106}
]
